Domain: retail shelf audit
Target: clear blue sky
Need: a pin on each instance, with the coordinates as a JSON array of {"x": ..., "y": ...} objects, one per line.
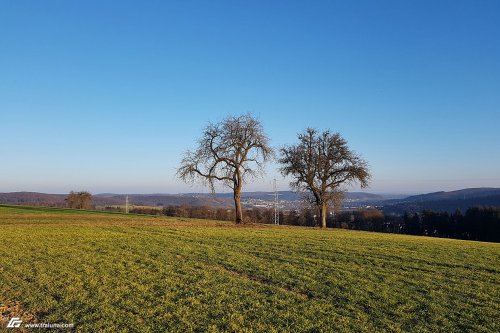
[{"x": 106, "y": 95}]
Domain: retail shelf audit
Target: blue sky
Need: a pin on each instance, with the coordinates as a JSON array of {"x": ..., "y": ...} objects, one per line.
[{"x": 106, "y": 96}]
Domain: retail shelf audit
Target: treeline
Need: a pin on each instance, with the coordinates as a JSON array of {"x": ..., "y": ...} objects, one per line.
[
  {"x": 254, "y": 215},
  {"x": 303, "y": 217},
  {"x": 478, "y": 223}
]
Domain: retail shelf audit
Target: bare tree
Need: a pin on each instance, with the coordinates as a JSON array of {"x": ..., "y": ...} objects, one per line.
[
  {"x": 79, "y": 200},
  {"x": 230, "y": 152},
  {"x": 320, "y": 164}
]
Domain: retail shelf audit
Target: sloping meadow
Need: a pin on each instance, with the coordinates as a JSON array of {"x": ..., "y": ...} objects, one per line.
[{"x": 115, "y": 272}]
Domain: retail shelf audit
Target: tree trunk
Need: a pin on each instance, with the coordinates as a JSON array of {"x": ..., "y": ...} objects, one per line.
[
  {"x": 237, "y": 206},
  {"x": 322, "y": 214}
]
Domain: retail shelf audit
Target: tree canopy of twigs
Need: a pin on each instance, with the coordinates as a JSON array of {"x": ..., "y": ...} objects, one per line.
[
  {"x": 229, "y": 152},
  {"x": 321, "y": 163}
]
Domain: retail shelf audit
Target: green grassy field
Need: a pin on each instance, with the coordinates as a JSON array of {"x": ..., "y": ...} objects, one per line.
[{"x": 115, "y": 272}]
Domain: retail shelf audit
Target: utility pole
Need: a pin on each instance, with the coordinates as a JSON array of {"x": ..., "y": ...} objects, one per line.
[
  {"x": 126, "y": 204},
  {"x": 276, "y": 208}
]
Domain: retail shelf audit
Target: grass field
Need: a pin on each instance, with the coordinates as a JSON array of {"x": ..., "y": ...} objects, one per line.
[{"x": 115, "y": 272}]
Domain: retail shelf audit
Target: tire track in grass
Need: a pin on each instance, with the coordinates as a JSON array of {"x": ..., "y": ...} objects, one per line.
[{"x": 307, "y": 294}]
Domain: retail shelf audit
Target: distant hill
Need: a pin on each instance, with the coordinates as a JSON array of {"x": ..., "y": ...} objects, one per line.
[
  {"x": 445, "y": 201},
  {"x": 468, "y": 193},
  {"x": 437, "y": 201},
  {"x": 294, "y": 196},
  {"x": 32, "y": 198},
  {"x": 191, "y": 199},
  {"x": 109, "y": 199},
  {"x": 363, "y": 196},
  {"x": 166, "y": 200}
]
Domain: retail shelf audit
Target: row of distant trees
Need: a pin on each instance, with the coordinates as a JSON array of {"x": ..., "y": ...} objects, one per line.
[{"x": 478, "y": 223}]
